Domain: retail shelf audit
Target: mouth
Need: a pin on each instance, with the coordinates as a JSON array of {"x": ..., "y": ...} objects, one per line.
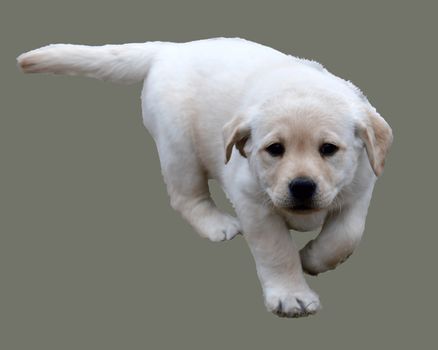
[
  {"x": 298, "y": 207},
  {"x": 303, "y": 209}
]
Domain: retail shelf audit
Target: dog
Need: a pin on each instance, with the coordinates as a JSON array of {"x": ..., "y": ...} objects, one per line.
[{"x": 292, "y": 146}]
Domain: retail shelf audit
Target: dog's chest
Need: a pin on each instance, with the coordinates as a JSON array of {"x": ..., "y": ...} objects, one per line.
[{"x": 307, "y": 222}]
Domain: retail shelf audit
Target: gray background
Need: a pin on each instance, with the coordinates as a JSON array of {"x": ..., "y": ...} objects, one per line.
[{"x": 92, "y": 256}]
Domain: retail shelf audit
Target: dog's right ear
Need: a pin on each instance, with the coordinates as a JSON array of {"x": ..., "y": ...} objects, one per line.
[{"x": 235, "y": 133}]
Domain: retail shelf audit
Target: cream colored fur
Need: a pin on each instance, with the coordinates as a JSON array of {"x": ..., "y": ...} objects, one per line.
[{"x": 212, "y": 107}]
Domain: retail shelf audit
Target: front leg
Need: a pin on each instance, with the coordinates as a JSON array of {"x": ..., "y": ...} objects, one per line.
[
  {"x": 277, "y": 261},
  {"x": 340, "y": 235}
]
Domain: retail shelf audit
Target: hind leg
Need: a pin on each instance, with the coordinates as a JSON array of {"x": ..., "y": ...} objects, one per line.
[
  {"x": 166, "y": 115},
  {"x": 187, "y": 186}
]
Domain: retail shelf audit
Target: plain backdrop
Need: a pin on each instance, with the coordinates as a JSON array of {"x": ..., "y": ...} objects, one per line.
[{"x": 93, "y": 257}]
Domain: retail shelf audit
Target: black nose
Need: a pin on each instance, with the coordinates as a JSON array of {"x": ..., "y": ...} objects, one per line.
[{"x": 302, "y": 188}]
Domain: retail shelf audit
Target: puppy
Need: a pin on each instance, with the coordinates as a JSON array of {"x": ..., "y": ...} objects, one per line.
[{"x": 292, "y": 146}]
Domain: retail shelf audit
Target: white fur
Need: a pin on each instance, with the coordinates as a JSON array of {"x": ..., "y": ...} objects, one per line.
[{"x": 192, "y": 92}]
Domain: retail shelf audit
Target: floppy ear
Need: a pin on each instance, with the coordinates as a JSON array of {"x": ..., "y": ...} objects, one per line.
[
  {"x": 377, "y": 137},
  {"x": 235, "y": 133}
]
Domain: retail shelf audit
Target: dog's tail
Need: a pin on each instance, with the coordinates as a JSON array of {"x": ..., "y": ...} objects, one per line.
[{"x": 128, "y": 63}]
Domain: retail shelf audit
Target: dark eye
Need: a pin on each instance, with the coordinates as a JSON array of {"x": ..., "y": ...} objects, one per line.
[
  {"x": 328, "y": 149},
  {"x": 275, "y": 150}
]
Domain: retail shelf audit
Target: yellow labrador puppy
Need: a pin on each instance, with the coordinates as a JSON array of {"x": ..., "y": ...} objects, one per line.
[{"x": 292, "y": 145}]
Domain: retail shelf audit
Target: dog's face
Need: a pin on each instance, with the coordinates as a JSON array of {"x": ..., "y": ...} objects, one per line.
[
  {"x": 305, "y": 149},
  {"x": 304, "y": 155}
]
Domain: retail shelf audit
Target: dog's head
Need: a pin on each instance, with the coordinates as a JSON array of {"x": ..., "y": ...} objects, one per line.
[{"x": 304, "y": 148}]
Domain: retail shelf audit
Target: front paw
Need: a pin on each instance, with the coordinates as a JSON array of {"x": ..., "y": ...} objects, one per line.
[
  {"x": 221, "y": 227},
  {"x": 314, "y": 263},
  {"x": 285, "y": 302}
]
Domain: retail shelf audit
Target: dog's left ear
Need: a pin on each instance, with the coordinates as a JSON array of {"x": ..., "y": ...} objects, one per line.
[
  {"x": 235, "y": 133},
  {"x": 377, "y": 137}
]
